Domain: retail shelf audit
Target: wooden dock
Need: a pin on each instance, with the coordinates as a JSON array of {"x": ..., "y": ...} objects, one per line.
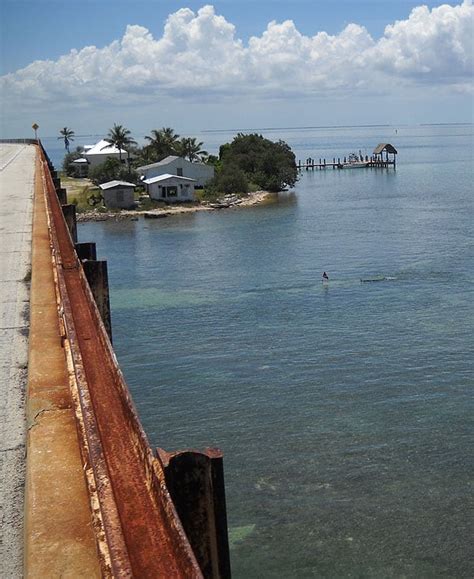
[
  {"x": 354, "y": 161},
  {"x": 312, "y": 164}
]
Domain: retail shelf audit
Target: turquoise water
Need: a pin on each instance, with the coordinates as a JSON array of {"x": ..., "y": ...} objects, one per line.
[{"x": 344, "y": 410}]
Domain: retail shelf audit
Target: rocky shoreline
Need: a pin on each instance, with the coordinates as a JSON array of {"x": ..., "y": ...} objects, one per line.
[{"x": 227, "y": 202}]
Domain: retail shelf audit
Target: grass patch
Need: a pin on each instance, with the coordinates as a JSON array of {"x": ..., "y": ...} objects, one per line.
[{"x": 79, "y": 191}]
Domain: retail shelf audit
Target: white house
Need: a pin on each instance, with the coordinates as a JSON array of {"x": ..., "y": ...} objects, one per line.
[
  {"x": 173, "y": 165},
  {"x": 170, "y": 188},
  {"x": 118, "y": 194},
  {"x": 97, "y": 154},
  {"x": 101, "y": 151}
]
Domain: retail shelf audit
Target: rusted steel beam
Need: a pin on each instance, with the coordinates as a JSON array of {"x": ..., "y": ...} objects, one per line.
[
  {"x": 195, "y": 481},
  {"x": 139, "y": 533}
]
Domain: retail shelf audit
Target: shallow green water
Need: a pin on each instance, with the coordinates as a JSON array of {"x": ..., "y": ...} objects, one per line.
[{"x": 344, "y": 410}]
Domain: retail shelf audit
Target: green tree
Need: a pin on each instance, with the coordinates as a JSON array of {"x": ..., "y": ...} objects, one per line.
[
  {"x": 161, "y": 144},
  {"x": 270, "y": 165},
  {"x": 119, "y": 137},
  {"x": 212, "y": 160},
  {"x": 110, "y": 170},
  {"x": 170, "y": 137},
  {"x": 231, "y": 179},
  {"x": 67, "y": 135},
  {"x": 68, "y": 166},
  {"x": 190, "y": 149}
]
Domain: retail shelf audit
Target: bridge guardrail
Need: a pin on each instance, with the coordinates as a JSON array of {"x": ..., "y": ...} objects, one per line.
[{"x": 137, "y": 528}]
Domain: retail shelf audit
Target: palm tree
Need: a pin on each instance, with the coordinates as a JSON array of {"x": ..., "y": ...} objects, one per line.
[
  {"x": 170, "y": 137},
  {"x": 67, "y": 135},
  {"x": 190, "y": 148},
  {"x": 162, "y": 143},
  {"x": 120, "y": 137}
]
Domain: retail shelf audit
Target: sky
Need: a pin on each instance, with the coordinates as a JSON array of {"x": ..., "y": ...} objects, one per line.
[{"x": 232, "y": 64}]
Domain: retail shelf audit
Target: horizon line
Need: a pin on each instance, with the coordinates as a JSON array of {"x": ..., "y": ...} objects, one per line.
[
  {"x": 335, "y": 127},
  {"x": 294, "y": 128}
]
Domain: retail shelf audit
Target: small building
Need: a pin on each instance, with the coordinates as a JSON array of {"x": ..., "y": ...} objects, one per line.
[
  {"x": 118, "y": 194},
  {"x": 81, "y": 167},
  {"x": 170, "y": 188},
  {"x": 388, "y": 149},
  {"x": 173, "y": 165}
]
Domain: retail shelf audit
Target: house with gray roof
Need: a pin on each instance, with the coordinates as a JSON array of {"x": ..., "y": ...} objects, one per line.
[
  {"x": 173, "y": 165},
  {"x": 118, "y": 194}
]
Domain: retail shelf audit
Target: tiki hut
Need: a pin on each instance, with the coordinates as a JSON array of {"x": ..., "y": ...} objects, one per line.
[{"x": 388, "y": 148}]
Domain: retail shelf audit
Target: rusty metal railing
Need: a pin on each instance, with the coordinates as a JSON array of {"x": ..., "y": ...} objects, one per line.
[{"x": 137, "y": 527}]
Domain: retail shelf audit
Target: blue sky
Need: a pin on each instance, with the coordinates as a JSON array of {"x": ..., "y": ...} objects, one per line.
[
  {"x": 233, "y": 63},
  {"x": 45, "y": 29}
]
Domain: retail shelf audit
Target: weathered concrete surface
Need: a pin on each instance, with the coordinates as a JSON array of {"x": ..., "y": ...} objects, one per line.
[
  {"x": 17, "y": 167},
  {"x": 59, "y": 536}
]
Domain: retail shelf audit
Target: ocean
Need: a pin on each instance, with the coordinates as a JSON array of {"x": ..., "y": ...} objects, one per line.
[{"x": 344, "y": 410}]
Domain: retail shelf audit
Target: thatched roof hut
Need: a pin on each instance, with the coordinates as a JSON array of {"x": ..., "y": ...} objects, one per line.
[
  {"x": 387, "y": 147},
  {"x": 379, "y": 151}
]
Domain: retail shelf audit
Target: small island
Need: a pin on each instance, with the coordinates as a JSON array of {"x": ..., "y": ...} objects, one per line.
[{"x": 117, "y": 179}]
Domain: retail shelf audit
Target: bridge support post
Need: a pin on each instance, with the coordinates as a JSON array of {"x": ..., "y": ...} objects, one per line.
[
  {"x": 96, "y": 274},
  {"x": 61, "y": 192},
  {"x": 69, "y": 212},
  {"x": 195, "y": 481},
  {"x": 86, "y": 250}
]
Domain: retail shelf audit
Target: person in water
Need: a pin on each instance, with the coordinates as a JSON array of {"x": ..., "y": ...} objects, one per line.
[{"x": 325, "y": 276}]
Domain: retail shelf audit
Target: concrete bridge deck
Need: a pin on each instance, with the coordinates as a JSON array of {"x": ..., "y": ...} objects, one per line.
[{"x": 17, "y": 171}]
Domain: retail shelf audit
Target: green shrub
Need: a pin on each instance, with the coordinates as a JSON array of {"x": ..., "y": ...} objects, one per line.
[
  {"x": 68, "y": 166},
  {"x": 110, "y": 170},
  {"x": 270, "y": 165},
  {"x": 231, "y": 179}
]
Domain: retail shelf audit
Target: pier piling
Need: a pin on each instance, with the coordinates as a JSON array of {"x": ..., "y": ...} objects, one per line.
[
  {"x": 69, "y": 212},
  {"x": 195, "y": 481},
  {"x": 96, "y": 274},
  {"x": 86, "y": 250},
  {"x": 61, "y": 192}
]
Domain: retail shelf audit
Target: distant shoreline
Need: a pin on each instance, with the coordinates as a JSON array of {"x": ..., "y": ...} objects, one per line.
[{"x": 304, "y": 128}]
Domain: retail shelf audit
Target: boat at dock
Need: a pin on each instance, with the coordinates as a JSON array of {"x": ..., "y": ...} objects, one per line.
[
  {"x": 355, "y": 162},
  {"x": 355, "y": 165}
]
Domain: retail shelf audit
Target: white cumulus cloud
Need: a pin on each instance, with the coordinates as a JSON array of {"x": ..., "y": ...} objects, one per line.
[
  {"x": 200, "y": 53},
  {"x": 436, "y": 46}
]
